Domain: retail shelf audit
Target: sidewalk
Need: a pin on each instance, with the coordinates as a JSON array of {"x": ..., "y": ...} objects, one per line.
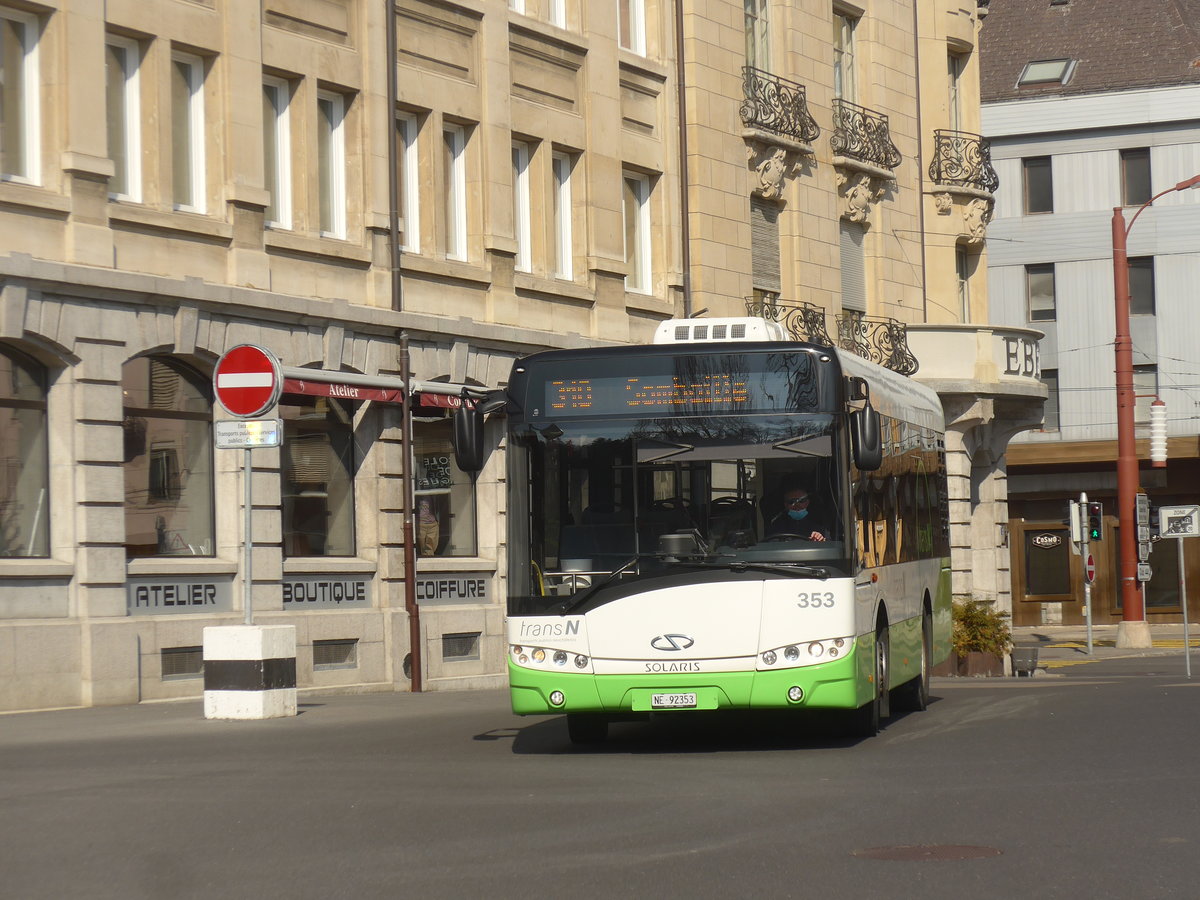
[{"x": 1067, "y": 645}]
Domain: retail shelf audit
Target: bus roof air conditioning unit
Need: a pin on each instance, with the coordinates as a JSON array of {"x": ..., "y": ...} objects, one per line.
[{"x": 691, "y": 331}]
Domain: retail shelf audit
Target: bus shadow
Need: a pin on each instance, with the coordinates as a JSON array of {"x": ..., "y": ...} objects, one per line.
[{"x": 716, "y": 732}]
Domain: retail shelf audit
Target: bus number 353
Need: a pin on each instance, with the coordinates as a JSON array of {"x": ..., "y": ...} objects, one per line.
[{"x": 815, "y": 601}]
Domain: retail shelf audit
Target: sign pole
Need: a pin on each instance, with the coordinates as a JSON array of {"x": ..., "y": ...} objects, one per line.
[
  {"x": 1187, "y": 644},
  {"x": 248, "y": 582},
  {"x": 1086, "y": 554}
]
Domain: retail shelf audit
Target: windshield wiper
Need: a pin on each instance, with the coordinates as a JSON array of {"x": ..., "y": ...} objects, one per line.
[
  {"x": 579, "y": 599},
  {"x": 790, "y": 571}
]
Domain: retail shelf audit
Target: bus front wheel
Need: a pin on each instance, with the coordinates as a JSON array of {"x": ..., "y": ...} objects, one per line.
[
  {"x": 864, "y": 721},
  {"x": 587, "y": 729}
]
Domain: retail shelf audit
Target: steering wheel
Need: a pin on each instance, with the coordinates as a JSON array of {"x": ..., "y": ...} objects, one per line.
[{"x": 787, "y": 536}]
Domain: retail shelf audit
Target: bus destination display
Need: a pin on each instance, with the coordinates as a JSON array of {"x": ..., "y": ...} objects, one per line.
[{"x": 639, "y": 394}]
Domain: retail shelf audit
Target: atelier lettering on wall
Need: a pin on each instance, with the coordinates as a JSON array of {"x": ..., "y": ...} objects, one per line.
[
  {"x": 325, "y": 592},
  {"x": 160, "y": 596}
]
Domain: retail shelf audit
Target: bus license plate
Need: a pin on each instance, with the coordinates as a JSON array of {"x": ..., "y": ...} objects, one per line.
[{"x": 672, "y": 701}]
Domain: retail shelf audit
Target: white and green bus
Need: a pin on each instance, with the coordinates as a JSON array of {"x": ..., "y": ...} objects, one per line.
[{"x": 648, "y": 569}]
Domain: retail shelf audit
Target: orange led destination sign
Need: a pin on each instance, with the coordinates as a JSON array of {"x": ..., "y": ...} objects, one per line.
[{"x": 702, "y": 393}]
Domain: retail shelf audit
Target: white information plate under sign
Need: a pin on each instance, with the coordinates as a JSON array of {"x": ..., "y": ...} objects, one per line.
[
  {"x": 248, "y": 434},
  {"x": 1144, "y": 572},
  {"x": 1178, "y": 521}
]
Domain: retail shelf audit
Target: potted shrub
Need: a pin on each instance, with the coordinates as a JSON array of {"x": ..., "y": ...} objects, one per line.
[{"x": 981, "y": 638}]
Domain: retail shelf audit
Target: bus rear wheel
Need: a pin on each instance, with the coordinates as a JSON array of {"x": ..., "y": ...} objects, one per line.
[
  {"x": 587, "y": 729},
  {"x": 913, "y": 696}
]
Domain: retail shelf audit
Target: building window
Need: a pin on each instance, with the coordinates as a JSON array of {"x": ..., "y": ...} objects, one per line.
[
  {"x": 517, "y": 6},
  {"x": 1050, "y": 421},
  {"x": 277, "y": 151},
  {"x": 956, "y": 64},
  {"x": 964, "y": 265},
  {"x": 410, "y": 180},
  {"x": 844, "y": 83},
  {"x": 852, "y": 258},
  {"x": 1039, "y": 289},
  {"x": 19, "y": 117},
  {"x": 637, "y": 232},
  {"x": 24, "y": 464},
  {"x": 1145, "y": 389},
  {"x": 1141, "y": 286},
  {"x": 564, "y": 239},
  {"x": 168, "y": 459},
  {"x": 187, "y": 132},
  {"x": 520, "y": 176},
  {"x": 454, "y": 185},
  {"x": 558, "y": 13},
  {"x": 1039, "y": 185},
  {"x": 445, "y": 495},
  {"x": 631, "y": 15},
  {"x": 758, "y": 34},
  {"x": 331, "y": 163},
  {"x": 764, "y": 245},
  {"x": 317, "y": 476},
  {"x": 123, "y": 109},
  {"x": 1135, "y": 176},
  {"x": 1047, "y": 71}
]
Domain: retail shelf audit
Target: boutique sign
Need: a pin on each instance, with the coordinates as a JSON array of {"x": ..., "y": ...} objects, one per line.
[{"x": 326, "y": 592}]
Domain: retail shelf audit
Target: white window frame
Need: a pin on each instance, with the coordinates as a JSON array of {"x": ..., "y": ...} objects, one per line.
[
  {"x": 332, "y": 186},
  {"x": 562, "y": 165},
  {"x": 517, "y": 6},
  {"x": 280, "y": 181},
  {"x": 195, "y": 137},
  {"x": 454, "y": 178},
  {"x": 557, "y": 13},
  {"x": 845, "y": 51},
  {"x": 640, "y": 278},
  {"x": 131, "y": 121},
  {"x": 410, "y": 182},
  {"x": 758, "y": 34},
  {"x": 30, "y": 115},
  {"x": 522, "y": 153},
  {"x": 962, "y": 272},
  {"x": 631, "y": 17},
  {"x": 956, "y": 65}
]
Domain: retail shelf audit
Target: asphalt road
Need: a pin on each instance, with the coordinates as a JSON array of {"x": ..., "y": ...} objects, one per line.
[{"x": 1079, "y": 786}]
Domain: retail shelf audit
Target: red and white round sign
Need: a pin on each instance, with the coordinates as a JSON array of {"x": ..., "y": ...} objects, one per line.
[
  {"x": 247, "y": 381},
  {"x": 1090, "y": 569}
]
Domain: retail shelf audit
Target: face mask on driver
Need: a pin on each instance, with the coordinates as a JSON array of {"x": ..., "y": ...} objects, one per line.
[{"x": 797, "y": 514}]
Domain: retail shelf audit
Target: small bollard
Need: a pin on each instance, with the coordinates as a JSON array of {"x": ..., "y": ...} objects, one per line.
[{"x": 1024, "y": 660}]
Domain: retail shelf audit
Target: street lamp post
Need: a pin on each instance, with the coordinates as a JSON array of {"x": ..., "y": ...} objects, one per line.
[{"x": 1133, "y": 630}]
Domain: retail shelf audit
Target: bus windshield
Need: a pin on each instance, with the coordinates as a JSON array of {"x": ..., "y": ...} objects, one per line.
[{"x": 636, "y": 496}]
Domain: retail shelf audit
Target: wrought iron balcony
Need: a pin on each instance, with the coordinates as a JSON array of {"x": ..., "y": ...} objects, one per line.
[
  {"x": 776, "y": 105},
  {"x": 880, "y": 340},
  {"x": 862, "y": 134},
  {"x": 963, "y": 159}
]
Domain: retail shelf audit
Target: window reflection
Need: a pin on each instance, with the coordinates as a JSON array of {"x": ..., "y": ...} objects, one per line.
[
  {"x": 24, "y": 482},
  {"x": 168, "y": 459},
  {"x": 318, "y": 476},
  {"x": 445, "y": 495}
]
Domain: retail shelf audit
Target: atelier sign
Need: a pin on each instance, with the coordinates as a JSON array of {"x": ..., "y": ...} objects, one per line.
[
  {"x": 326, "y": 592},
  {"x": 466, "y": 587},
  {"x": 161, "y": 596}
]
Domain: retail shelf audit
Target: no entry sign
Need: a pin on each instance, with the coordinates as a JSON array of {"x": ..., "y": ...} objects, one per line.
[{"x": 247, "y": 381}]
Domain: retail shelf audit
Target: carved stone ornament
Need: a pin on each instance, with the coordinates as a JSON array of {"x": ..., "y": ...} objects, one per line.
[
  {"x": 943, "y": 203},
  {"x": 976, "y": 215},
  {"x": 858, "y": 192},
  {"x": 772, "y": 165}
]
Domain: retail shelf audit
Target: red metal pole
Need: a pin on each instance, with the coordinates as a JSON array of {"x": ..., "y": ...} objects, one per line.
[{"x": 1127, "y": 464}]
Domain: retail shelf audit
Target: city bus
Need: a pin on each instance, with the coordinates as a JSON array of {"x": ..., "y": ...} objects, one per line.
[{"x": 652, "y": 568}]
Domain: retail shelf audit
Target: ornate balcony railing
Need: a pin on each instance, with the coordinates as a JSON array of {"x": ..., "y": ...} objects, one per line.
[
  {"x": 882, "y": 341},
  {"x": 964, "y": 159},
  {"x": 863, "y": 134},
  {"x": 777, "y": 105}
]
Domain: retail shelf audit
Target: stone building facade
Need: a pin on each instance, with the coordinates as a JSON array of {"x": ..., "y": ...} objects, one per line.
[{"x": 181, "y": 176}]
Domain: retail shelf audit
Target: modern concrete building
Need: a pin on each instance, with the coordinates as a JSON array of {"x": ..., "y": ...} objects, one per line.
[
  {"x": 182, "y": 176},
  {"x": 1091, "y": 107}
]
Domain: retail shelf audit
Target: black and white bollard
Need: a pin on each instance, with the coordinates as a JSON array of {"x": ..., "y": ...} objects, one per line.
[{"x": 249, "y": 671}]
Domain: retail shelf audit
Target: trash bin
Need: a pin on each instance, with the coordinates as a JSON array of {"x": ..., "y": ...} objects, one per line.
[{"x": 1024, "y": 660}]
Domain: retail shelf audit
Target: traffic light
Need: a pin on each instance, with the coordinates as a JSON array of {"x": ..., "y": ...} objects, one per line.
[{"x": 1095, "y": 521}]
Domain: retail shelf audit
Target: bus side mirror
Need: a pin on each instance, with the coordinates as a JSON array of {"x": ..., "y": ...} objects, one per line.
[
  {"x": 866, "y": 439},
  {"x": 468, "y": 430},
  {"x": 468, "y": 439}
]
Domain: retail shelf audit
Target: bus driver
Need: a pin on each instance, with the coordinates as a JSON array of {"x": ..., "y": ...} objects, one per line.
[{"x": 797, "y": 518}]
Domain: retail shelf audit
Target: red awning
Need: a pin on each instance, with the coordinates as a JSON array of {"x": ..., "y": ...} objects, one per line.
[{"x": 423, "y": 399}]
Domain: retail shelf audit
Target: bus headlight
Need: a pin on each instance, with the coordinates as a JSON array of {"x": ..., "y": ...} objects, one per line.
[
  {"x": 795, "y": 693},
  {"x": 769, "y": 657},
  {"x": 560, "y": 657},
  {"x": 557, "y": 698},
  {"x": 581, "y": 662},
  {"x": 791, "y": 653},
  {"x": 814, "y": 652},
  {"x": 539, "y": 655}
]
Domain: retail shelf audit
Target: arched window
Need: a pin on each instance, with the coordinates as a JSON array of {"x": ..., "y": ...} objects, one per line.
[
  {"x": 168, "y": 459},
  {"x": 318, "y": 476},
  {"x": 24, "y": 466}
]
